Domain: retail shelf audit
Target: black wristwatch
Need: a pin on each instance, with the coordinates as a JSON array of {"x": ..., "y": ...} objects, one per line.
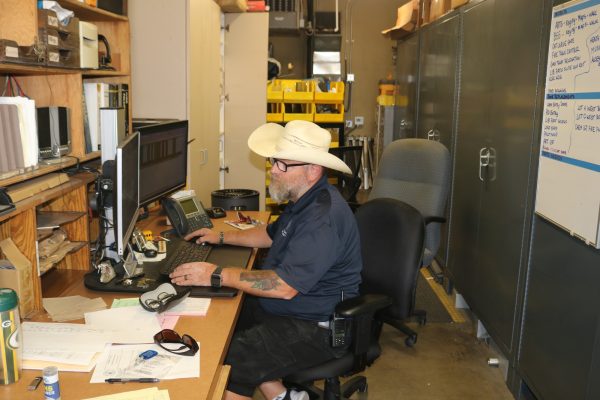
[{"x": 216, "y": 279}]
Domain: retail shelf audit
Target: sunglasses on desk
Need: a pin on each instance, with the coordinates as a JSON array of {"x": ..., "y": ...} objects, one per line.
[{"x": 170, "y": 340}]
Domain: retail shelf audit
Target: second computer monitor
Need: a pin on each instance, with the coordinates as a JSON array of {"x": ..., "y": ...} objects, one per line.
[
  {"x": 126, "y": 205},
  {"x": 163, "y": 159}
]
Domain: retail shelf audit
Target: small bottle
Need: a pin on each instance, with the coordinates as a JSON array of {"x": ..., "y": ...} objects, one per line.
[
  {"x": 51, "y": 387},
  {"x": 10, "y": 331}
]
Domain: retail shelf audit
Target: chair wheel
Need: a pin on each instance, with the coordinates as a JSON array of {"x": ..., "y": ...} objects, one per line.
[
  {"x": 363, "y": 388},
  {"x": 410, "y": 341},
  {"x": 422, "y": 320}
]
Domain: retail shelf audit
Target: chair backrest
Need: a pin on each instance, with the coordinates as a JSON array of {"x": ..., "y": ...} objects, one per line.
[
  {"x": 348, "y": 185},
  {"x": 391, "y": 238},
  {"x": 416, "y": 171}
]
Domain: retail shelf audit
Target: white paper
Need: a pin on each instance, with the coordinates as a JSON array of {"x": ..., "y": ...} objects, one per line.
[
  {"x": 117, "y": 359},
  {"x": 62, "y": 337},
  {"x": 64, "y": 357},
  {"x": 145, "y": 327}
]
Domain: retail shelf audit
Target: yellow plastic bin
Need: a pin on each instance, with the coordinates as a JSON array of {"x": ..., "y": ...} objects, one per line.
[
  {"x": 274, "y": 91},
  {"x": 274, "y": 112},
  {"x": 298, "y": 91},
  {"x": 335, "y": 95},
  {"x": 329, "y": 113},
  {"x": 294, "y": 111}
]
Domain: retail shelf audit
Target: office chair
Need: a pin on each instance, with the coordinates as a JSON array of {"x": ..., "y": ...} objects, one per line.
[
  {"x": 348, "y": 185},
  {"x": 392, "y": 233},
  {"x": 417, "y": 172}
]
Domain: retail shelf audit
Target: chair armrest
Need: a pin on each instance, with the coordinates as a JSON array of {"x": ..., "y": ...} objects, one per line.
[
  {"x": 428, "y": 220},
  {"x": 361, "y": 305}
]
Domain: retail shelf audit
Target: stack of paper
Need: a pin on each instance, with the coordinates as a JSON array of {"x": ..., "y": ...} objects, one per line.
[
  {"x": 143, "y": 394},
  {"x": 70, "y": 308}
]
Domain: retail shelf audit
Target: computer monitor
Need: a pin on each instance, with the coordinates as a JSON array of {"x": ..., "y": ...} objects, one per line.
[
  {"x": 126, "y": 187},
  {"x": 163, "y": 159}
]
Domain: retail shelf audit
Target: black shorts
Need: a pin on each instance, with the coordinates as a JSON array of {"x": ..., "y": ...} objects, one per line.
[{"x": 266, "y": 347}]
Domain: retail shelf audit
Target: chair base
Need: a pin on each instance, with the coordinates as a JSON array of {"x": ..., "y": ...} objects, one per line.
[
  {"x": 412, "y": 336},
  {"x": 333, "y": 390}
]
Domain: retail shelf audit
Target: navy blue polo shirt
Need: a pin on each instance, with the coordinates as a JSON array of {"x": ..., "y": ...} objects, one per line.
[{"x": 315, "y": 250}]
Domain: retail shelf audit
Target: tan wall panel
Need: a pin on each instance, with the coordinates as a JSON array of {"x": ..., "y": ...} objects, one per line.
[
  {"x": 159, "y": 58},
  {"x": 204, "y": 96},
  {"x": 246, "y": 45}
]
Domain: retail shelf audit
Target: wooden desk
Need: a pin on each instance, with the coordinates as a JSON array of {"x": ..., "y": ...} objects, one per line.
[{"x": 213, "y": 333}]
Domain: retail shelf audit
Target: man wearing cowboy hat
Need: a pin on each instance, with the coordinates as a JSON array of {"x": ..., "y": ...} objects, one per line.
[{"x": 313, "y": 261}]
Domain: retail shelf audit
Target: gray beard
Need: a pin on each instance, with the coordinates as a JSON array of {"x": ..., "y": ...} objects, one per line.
[{"x": 279, "y": 193}]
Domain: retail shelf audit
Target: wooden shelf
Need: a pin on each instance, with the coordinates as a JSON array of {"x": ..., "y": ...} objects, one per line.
[
  {"x": 46, "y": 169},
  {"x": 25, "y": 69},
  {"x": 88, "y": 13},
  {"x": 55, "y": 219}
]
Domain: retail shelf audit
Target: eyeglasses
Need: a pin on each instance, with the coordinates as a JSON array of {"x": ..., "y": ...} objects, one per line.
[
  {"x": 160, "y": 300},
  {"x": 282, "y": 166},
  {"x": 167, "y": 337}
]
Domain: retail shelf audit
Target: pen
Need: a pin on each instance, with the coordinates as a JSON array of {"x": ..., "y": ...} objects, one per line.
[{"x": 125, "y": 380}]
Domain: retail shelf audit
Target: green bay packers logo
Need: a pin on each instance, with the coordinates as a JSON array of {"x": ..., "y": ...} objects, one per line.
[{"x": 13, "y": 341}]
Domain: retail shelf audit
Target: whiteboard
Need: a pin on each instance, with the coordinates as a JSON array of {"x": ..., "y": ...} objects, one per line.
[{"x": 568, "y": 188}]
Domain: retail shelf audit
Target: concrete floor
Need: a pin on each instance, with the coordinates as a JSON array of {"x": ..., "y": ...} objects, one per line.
[{"x": 447, "y": 363}]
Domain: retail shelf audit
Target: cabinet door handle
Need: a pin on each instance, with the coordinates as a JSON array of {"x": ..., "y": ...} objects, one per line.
[
  {"x": 484, "y": 161},
  {"x": 433, "y": 134}
]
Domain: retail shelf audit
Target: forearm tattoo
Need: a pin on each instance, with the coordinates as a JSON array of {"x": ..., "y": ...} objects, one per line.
[{"x": 262, "y": 280}]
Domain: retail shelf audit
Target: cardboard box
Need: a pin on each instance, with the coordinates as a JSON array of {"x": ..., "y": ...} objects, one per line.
[
  {"x": 437, "y": 8},
  {"x": 16, "y": 274},
  {"x": 457, "y": 3},
  {"x": 31, "y": 187}
]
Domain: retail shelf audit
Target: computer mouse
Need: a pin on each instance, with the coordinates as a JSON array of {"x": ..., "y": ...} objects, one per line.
[{"x": 150, "y": 253}]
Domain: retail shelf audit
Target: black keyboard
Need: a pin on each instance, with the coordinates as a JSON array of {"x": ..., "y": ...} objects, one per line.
[{"x": 183, "y": 252}]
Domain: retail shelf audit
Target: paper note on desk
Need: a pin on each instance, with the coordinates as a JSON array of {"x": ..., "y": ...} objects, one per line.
[
  {"x": 143, "y": 394},
  {"x": 116, "y": 360},
  {"x": 240, "y": 225},
  {"x": 70, "y": 308},
  {"x": 190, "y": 306}
]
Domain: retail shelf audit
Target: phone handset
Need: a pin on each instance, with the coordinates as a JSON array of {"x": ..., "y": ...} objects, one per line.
[{"x": 186, "y": 214}]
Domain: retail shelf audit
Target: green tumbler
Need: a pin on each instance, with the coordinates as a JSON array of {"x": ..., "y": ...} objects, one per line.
[{"x": 10, "y": 331}]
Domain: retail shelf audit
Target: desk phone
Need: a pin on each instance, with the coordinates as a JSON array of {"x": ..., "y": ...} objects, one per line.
[{"x": 186, "y": 214}]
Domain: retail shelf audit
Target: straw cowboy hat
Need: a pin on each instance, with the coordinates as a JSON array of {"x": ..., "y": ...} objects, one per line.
[{"x": 300, "y": 141}]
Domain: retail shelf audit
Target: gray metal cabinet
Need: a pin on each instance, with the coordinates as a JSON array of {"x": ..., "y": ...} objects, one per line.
[
  {"x": 493, "y": 156},
  {"x": 407, "y": 77},
  {"x": 560, "y": 356},
  {"x": 438, "y": 80}
]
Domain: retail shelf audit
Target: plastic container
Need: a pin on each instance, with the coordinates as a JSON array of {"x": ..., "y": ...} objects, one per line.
[
  {"x": 10, "y": 337},
  {"x": 51, "y": 386}
]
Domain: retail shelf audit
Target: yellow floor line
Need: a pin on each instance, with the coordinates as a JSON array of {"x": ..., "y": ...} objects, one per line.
[{"x": 456, "y": 315}]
